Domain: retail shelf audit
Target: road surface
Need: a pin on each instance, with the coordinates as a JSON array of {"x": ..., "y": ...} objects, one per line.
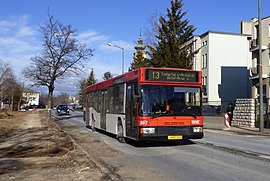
[{"x": 220, "y": 155}]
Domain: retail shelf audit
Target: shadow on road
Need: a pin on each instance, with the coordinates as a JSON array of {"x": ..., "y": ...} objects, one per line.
[
  {"x": 143, "y": 144},
  {"x": 160, "y": 143},
  {"x": 65, "y": 117}
]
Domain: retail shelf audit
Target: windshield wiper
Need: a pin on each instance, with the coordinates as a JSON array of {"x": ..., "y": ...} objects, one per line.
[
  {"x": 159, "y": 113},
  {"x": 186, "y": 114},
  {"x": 183, "y": 114}
]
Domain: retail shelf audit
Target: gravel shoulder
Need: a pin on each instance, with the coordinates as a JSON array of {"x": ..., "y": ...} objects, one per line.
[{"x": 35, "y": 148}]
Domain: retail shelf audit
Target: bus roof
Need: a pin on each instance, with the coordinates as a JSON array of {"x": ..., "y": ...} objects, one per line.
[{"x": 164, "y": 76}]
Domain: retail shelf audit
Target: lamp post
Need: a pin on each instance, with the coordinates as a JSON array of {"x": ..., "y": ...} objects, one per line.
[
  {"x": 110, "y": 44},
  {"x": 260, "y": 68}
]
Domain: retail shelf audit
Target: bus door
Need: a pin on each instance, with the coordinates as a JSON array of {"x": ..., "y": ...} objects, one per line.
[
  {"x": 103, "y": 109},
  {"x": 131, "y": 109},
  {"x": 86, "y": 110}
]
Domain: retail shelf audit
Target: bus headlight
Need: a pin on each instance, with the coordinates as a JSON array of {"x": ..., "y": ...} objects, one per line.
[
  {"x": 147, "y": 130},
  {"x": 197, "y": 129}
]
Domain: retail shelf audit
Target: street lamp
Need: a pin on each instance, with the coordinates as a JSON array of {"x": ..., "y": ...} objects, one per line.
[
  {"x": 260, "y": 68},
  {"x": 110, "y": 44}
]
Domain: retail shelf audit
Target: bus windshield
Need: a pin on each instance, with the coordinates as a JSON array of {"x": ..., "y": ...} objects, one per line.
[{"x": 170, "y": 100}]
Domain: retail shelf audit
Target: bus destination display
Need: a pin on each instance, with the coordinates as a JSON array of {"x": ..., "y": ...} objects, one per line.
[{"x": 172, "y": 75}]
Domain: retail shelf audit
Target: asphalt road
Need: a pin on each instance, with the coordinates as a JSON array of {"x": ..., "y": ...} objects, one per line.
[{"x": 220, "y": 155}]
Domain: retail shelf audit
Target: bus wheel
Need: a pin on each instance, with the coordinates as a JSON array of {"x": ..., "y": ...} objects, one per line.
[{"x": 120, "y": 135}]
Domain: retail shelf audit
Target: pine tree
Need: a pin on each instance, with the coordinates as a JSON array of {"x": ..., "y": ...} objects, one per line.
[
  {"x": 86, "y": 82},
  {"x": 139, "y": 60},
  {"x": 174, "y": 32},
  {"x": 91, "y": 79},
  {"x": 107, "y": 75}
]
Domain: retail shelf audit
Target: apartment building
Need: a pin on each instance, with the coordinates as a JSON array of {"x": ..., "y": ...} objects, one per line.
[
  {"x": 251, "y": 27},
  {"x": 225, "y": 62}
]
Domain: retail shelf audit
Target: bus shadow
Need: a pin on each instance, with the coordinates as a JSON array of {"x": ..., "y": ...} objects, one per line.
[
  {"x": 66, "y": 117},
  {"x": 143, "y": 144}
]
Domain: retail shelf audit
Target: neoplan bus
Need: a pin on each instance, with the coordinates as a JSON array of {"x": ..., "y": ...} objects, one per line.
[{"x": 147, "y": 104}]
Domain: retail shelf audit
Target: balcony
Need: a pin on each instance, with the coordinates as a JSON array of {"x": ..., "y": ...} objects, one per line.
[{"x": 254, "y": 46}]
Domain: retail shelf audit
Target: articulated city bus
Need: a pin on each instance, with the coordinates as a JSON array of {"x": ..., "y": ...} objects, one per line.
[{"x": 147, "y": 104}]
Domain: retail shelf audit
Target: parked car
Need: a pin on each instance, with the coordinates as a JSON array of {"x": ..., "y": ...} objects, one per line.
[{"x": 62, "y": 109}]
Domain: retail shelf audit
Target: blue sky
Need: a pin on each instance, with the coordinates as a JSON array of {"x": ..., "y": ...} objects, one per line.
[{"x": 100, "y": 22}]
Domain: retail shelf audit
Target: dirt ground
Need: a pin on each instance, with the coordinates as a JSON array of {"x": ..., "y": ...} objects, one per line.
[{"x": 35, "y": 148}]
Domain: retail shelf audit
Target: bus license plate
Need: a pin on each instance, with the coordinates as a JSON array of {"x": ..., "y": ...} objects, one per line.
[{"x": 175, "y": 137}]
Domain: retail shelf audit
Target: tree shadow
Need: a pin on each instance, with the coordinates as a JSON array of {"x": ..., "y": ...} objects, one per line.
[{"x": 12, "y": 166}]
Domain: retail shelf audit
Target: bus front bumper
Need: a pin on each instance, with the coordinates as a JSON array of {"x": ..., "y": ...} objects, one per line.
[{"x": 171, "y": 133}]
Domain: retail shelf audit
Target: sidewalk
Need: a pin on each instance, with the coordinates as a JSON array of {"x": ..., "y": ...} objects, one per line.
[
  {"x": 217, "y": 123},
  {"x": 248, "y": 131}
]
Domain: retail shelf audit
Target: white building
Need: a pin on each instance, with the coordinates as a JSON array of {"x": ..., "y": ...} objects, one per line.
[
  {"x": 30, "y": 97},
  {"x": 251, "y": 27},
  {"x": 225, "y": 62}
]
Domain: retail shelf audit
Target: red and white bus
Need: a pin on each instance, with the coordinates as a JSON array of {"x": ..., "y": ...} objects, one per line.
[{"x": 148, "y": 104}]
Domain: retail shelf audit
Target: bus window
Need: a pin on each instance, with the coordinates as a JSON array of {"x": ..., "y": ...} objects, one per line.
[{"x": 170, "y": 100}]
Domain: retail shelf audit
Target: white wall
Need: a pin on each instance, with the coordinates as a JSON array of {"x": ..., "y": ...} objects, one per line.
[
  {"x": 225, "y": 50},
  {"x": 31, "y": 98}
]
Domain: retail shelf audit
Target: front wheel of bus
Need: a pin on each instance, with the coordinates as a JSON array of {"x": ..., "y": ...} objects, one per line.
[{"x": 120, "y": 135}]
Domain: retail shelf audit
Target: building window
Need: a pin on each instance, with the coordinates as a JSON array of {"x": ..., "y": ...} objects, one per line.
[
  {"x": 205, "y": 57},
  {"x": 204, "y": 87},
  {"x": 204, "y": 61},
  {"x": 204, "y": 82},
  {"x": 204, "y": 43},
  {"x": 269, "y": 30}
]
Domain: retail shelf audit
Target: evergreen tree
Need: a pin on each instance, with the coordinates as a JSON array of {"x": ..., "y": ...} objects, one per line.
[
  {"x": 85, "y": 83},
  {"x": 139, "y": 60},
  {"x": 172, "y": 49},
  {"x": 107, "y": 75},
  {"x": 91, "y": 79}
]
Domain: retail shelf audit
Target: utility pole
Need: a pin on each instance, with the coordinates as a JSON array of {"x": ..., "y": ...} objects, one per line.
[{"x": 260, "y": 68}]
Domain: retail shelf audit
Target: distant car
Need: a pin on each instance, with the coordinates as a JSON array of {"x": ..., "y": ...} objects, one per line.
[{"x": 62, "y": 109}]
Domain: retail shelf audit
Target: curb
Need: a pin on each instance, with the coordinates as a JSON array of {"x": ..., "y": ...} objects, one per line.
[
  {"x": 103, "y": 169},
  {"x": 247, "y": 131}
]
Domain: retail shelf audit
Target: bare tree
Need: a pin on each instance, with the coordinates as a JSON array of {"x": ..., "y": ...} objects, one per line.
[
  {"x": 10, "y": 90},
  {"x": 62, "y": 98},
  {"x": 61, "y": 54},
  {"x": 6, "y": 80}
]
